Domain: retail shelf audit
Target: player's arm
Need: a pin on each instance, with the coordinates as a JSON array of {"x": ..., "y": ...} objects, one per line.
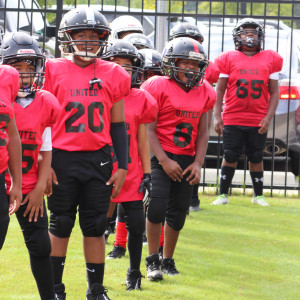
[
  {"x": 171, "y": 167},
  {"x": 14, "y": 166},
  {"x": 200, "y": 151},
  {"x": 221, "y": 88},
  {"x": 36, "y": 196},
  {"x": 273, "y": 102},
  {"x": 119, "y": 139},
  {"x": 144, "y": 154}
]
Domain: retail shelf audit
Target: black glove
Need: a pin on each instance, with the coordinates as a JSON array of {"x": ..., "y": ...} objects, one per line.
[{"x": 146, "y": 187}]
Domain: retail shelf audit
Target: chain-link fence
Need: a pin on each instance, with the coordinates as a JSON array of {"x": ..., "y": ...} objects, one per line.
[{"x": 215, "y": 19}]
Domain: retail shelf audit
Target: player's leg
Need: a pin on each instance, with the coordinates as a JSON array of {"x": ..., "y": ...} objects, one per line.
[
  {"x": 93, "y": 208},
  {"x": 161, "y": 184},
  {"x": 195, "y": 201},
  {"x": 233, "y": 140},
  {"x": 63, "y": 207},
  {"x": 4, "y": 207},
  {"x": 179, "y": 200},
  {"x": 255, "y": 144},
  {"x": 120, "y": 242},
  {"x": 39, "y": 247},
  {"x": 135, "y": 223},
  {"x": 111, "y": 220}
]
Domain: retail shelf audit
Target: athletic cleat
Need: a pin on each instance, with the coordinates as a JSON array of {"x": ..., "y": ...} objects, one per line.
[
  {"x": 194, "y": 208},
  {"x": 117, "y": 252},
  {"x": 260, "y": 200},
  {"x": 222, "y": 199},
  {"x": 168, "y": 267},
  {"x": 145, "y": 241},
  {"x": 59, "y": 291},
  {"x": 160, "y": 252},
  {"x": 97, "y": 292},
  {"x": 153, "y": 265},
  {"x": 133, "y": 280}
]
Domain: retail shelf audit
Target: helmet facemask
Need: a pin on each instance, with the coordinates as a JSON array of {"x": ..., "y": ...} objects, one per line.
[{"x": 29, "y": 81}]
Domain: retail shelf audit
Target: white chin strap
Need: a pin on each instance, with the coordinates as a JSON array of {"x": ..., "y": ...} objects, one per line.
[{"x": 84, "y": 55}]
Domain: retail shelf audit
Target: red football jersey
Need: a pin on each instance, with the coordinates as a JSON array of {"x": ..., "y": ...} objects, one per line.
[
  {"x": 212, "y": 73},
  {"x": 140, "y": 108},
  {"x": 31, "y": 122},
  {"x": 8, "y": 92},
  {"x": 84, "y": 121},
  {"x": 179, "y": 112},
  {"x": 247, "y": 94}
]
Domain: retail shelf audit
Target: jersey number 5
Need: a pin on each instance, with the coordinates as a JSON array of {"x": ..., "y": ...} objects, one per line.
[
  {"x": 79, "y": 113},
  {"x": 242, "y": 90}
]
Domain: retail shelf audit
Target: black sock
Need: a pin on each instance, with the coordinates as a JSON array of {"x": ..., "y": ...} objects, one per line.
[
  {"x": 257, "y": 182},
  {"x": 58, "y": 264},
  {"x": 94, "y": 273},
  {"x": 135, "y": 246},
  {"x": 227, "y": 174},
  {"x": 41, "y": 268}
]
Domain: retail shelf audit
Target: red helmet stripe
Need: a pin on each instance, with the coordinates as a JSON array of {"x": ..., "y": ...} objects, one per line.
[{"x": 195, "y": 46}]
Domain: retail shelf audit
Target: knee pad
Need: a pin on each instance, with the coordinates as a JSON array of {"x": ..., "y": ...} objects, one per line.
[
  {"x": 61, "y": 225},
  {"x": 156, "y": 211},
  {"x": 38, "y": 243},
  {"x": 92, "y": 224},
  {"x": 256, "y": 157},
  {"x": 176, "y": 219},
  {"x": 135, "y": 223},
  {"x": 231, "y": 156}
]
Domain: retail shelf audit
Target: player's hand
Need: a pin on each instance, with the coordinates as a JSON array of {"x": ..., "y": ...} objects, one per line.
[
  {"x": 51, "y": 178},
  {"x": 264, "y": 126},
  {"x": 35, "y": 207},
  {"x": 218, "y": 125},
  {"x": 172, "y": 169},
  {"x": 15, "y": 198},
  {"x": 117, "y": 179},
  {"x": 195, "y": 173},
  {"x": 146, "y": 187}
]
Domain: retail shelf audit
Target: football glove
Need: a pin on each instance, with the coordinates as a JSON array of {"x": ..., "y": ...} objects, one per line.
[{"x": 146, "y": 187}]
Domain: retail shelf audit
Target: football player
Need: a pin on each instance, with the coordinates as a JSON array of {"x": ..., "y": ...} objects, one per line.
[
  {"x": 10, "y": 146},
  {"x": 140, "y": 109},
  {"x": 91, "y": 93},
  {"x": 153, "y": 63},
  {"x": 249, "y": 76},
  {"x": 35, "y": 112},
  {"x": 185, "y": 29},
  {"x": 178, "y": 138},
  {"x": 124, "y": 25}
]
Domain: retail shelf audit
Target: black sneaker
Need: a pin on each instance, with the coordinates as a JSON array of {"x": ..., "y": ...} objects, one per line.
[
  {"x": 160, "y": 252},
  {"x": 117, "y": 252},
  {"x": 97, "y": 292},
  {"x": 194, "y": 208},
  {"x": 59, "y": 291},
  {"x": 168, "y": 267},
  {"x": 154, "y": 272},
  {"x": 133, "y": 280}
]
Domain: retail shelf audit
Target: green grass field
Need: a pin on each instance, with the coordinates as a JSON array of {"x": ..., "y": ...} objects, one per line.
[{"x": 237, "y": 251}]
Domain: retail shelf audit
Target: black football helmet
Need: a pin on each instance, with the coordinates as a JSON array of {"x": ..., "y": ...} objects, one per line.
[
  {"x": 139, "y": 41},
  {"x": 185, "y": 48},
  {"x": 124, "y": 49},
  {"x": 21, "y": 47},
  {"x": 79, "y": 19},
  {"x": 186, "y": 29},
  {"x": 249, "y": 42},
  {"x": 153, "y": 63}
]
